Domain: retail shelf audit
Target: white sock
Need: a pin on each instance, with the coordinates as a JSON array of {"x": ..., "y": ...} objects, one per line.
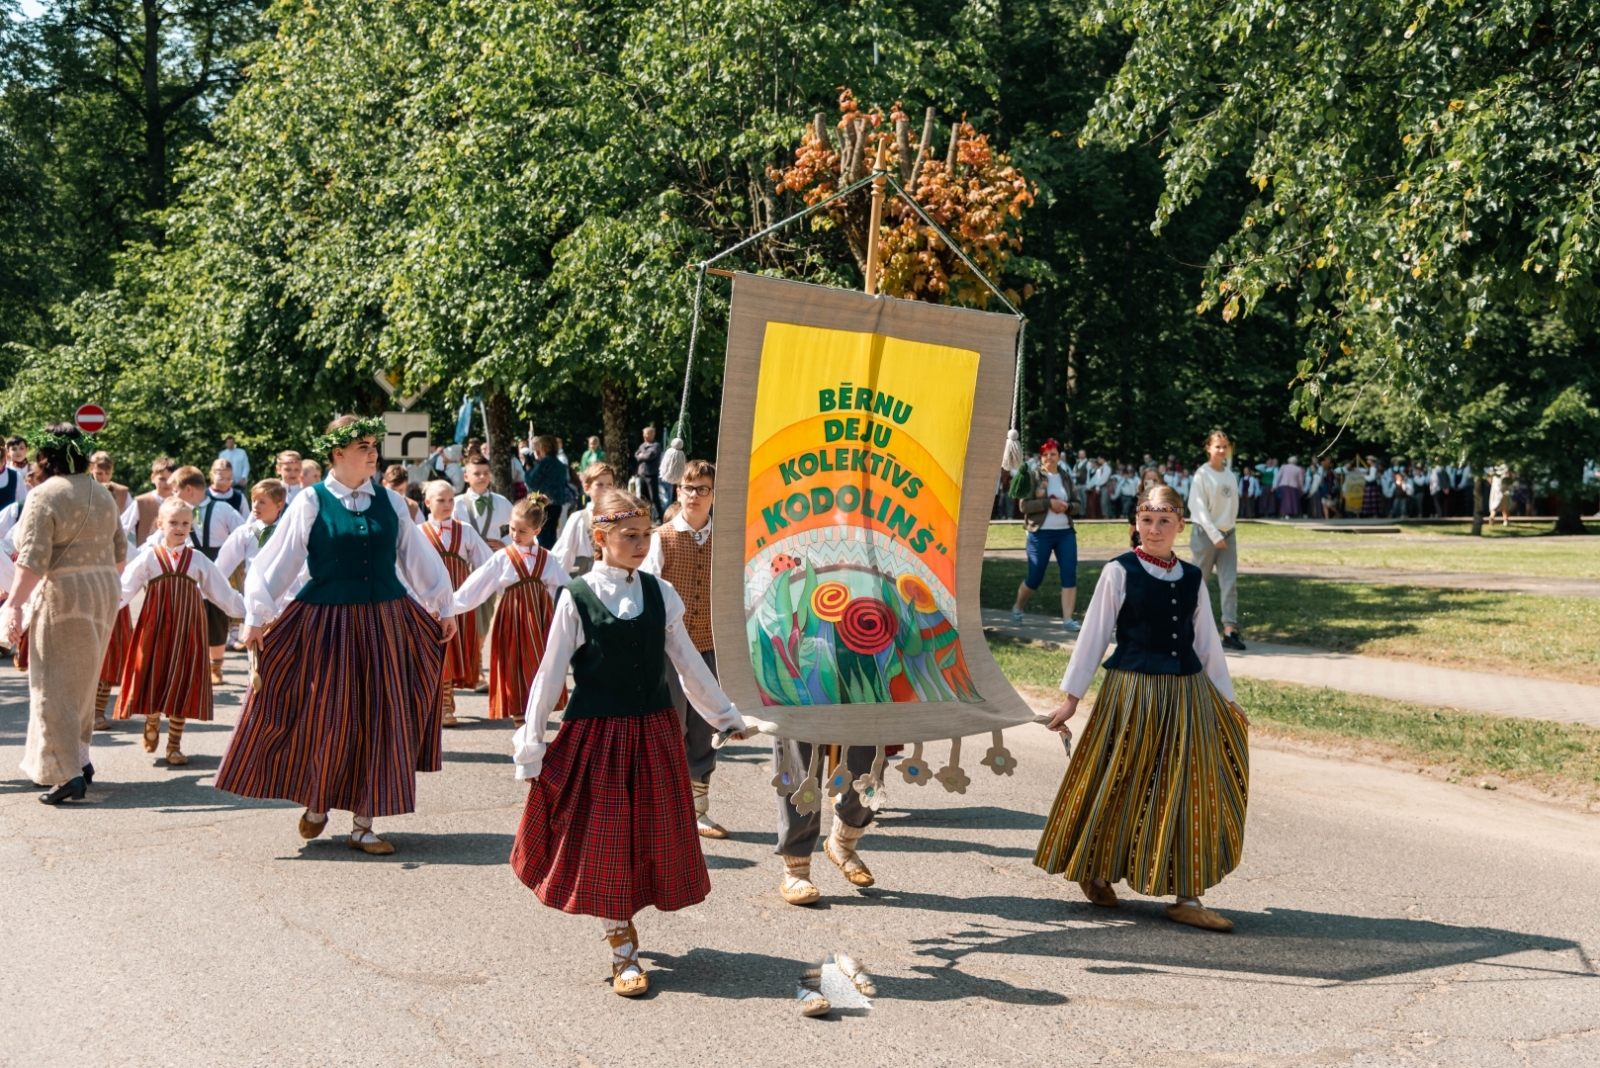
[
  {"x": 360, "y": 826},
  {"x": 316, "y": 817},
  {"x": 626, "y": 952}
]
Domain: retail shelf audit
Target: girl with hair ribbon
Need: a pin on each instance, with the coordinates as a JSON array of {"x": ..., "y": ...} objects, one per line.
[
  {"x": 609, "y": 826},
  {"x": 1156, "y": 792}
]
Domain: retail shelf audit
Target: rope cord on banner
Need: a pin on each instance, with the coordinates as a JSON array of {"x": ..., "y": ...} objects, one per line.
[{"x": 704, "y": 265}]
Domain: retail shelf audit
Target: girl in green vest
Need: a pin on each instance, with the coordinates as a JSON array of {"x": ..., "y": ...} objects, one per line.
[{"x": 609, "y": 826}]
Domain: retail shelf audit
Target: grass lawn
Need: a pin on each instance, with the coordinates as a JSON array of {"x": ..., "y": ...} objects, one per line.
[
  {"x": 1555, "y": 757},
  {"x": 1510, "y": 633},
  {"x": 1527, "y": 550}
]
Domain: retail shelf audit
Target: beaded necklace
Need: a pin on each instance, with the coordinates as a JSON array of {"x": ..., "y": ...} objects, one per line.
[{"x": 1165, "y": 565}]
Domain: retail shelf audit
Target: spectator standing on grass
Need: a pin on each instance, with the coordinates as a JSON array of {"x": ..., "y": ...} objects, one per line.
[
  {"x": 1466, "y": 488},
  {"x": 1127, "y": 491},
  {"x": 1314, "y": 479},
  {"x": 594, "y": 454},
  {"x": 1440, "y": 482},
  {"x": 1268, "y": 474},
  {"x": 237, "y": 458},
  {"x": 1287, "y": 487},
  {"x": 1249, "y": 492},
  {"x": 1214, "y": 542},
  {"x": 1080, "y": 481},
  {"x": 1047, "y": 517},
  {"x": 548, "y": 476},
  {"x": 647, "y": 460}
]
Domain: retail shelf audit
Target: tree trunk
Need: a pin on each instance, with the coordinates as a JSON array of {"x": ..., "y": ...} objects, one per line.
[
  {"x": 155, "y": 123},
  {"x": 1477, "y": 505},
  {"x": 614, "y": 432},
  {"x": 1569, "y": 518},
  {"x": 502, "y": 439}
]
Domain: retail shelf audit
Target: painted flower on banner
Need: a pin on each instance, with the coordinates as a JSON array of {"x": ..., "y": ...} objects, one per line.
[
  {"x": 829, "y": 601},
  {"x": 868, "y": 626}
]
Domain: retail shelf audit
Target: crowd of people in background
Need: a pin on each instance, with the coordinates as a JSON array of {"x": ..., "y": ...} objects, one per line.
[{"x": 1363, "y": 487}]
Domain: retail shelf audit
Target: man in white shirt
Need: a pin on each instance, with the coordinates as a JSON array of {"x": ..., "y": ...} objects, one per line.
[
  {"x": 1100, "y": 489},
  {"x": 289, "y": 471},
  {"x": 1213, "y": 543},
  {"x": 237, "y": 458}
]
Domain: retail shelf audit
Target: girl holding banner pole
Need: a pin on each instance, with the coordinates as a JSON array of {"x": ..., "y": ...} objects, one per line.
[{"x": 1156, "y": 792}]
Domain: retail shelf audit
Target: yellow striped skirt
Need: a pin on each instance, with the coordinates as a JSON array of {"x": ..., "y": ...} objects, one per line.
[{"x": 1156, "y": 791}]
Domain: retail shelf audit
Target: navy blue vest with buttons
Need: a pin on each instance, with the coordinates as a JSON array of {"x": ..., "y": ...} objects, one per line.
[{"x": 1155, "y": 628}]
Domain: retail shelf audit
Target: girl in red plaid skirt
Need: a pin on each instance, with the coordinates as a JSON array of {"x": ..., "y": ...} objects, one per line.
[{"x": 610, "y": 824}]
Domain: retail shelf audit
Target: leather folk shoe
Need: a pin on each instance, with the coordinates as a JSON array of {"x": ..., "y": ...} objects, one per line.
[
  {"x": 1199, "y": 916},
  {"x": 797, "y": 887},
  {"x": 310, "y": 828},
  {"x": 367, "y": 842},
  {"x": 1103, "y": 896},
  {"x": 840, "y": 847}
]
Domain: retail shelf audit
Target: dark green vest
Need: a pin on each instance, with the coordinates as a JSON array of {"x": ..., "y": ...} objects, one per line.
[
  {"x": 351, "y": 555},
  {"x": 620, "y": 669}
]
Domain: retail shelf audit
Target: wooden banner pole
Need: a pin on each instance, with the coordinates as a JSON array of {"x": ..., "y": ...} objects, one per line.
[{"x": 876, "y": 219}]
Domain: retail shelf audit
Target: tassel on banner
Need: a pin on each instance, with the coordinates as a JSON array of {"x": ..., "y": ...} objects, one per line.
[
  {"x": 784, "y": 779},
  {"x": 869, "y": 788},
  {"x": 999, "y": 759},
  {"x": 951, "y": 777},
  {"x": 807, "y": 797},
  {"x": 673, "y": 463},
  {"x": 1012, "y": 458},
  {"x": 915, "y": 770}
]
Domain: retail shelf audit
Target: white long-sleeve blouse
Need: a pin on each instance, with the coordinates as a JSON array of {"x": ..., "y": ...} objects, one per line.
[
  {"x": 619, "y": 590},
  {"x": 498, "y": 572},
  {"x": 283, "y": 558},
  {"x": 1100, "y": 626},
  {"x": 145, "y": 567}
]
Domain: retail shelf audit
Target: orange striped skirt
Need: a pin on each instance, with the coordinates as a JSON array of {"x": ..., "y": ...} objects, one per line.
[
  {"x": 117, "y": 651},
  {"x": 1157, "y": 790},
  {"x": 517, "y": 639}
]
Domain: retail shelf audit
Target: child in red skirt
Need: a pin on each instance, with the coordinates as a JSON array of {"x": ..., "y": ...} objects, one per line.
[
  {"x": 609, "y": 826},
  {"x": 528, "y": 579},
  {"x": 463, "y": 551},
  {"x": 166, "y": 668}
]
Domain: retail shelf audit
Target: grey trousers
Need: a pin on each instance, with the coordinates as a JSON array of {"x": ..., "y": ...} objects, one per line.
[
  {"x": 697, "y": 733},
  {"x": 797, "y": 834},
  {"x": 1225, "y": 558}
]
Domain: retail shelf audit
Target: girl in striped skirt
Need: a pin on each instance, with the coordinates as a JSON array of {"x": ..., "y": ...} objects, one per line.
[
  {"x": 347, "y": 710},
  {"x": 166, "y": 665},
  {"x": 1156, "y": 792},
  {"x": 462, "y": 550},
  {"x": 528, "y": 579},
  {"x": 610, "y": 825}
]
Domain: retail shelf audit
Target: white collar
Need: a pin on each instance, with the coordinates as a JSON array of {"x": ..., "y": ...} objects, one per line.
[
  {"x": 681, "y": 524},
  {"x": 474, "y": 495},
  {"x": 617, "y": 576},
  {"x": 345, "y": 493}
]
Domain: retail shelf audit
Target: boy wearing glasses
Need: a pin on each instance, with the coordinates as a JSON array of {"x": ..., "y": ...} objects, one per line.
[{"x": 680, "y": 553}]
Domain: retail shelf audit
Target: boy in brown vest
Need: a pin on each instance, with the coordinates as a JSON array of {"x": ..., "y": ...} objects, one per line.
[{"x": 680, "y": 552}]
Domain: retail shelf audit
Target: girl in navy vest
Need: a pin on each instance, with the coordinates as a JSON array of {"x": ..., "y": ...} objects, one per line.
[
  {"x": 346, "y": 711},
  {"x": 1156, "y": 792},
  {"x": 610, "y": 823}
]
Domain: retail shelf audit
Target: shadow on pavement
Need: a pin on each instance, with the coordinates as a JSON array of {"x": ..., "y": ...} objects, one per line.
[
  {"x": 717, "y": 974},
  {"x": 410, "y": 848},
  {"x": 979, "y": 817},
  {"x": 1290, "y": 943}
]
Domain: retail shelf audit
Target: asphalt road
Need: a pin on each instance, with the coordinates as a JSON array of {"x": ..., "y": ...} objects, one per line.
[{"x": 1383, "y": 918}]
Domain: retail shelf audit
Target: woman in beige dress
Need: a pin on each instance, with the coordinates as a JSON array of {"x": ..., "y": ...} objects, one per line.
[{"x": 69, "y": 550}]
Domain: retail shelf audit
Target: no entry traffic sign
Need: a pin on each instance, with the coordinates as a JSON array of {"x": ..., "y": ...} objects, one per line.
[{"x": 90, "y": 418}]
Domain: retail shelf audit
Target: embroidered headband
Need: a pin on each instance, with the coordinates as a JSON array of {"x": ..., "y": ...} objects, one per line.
[
  {"x": 617, "y": 517},
  {"x": 371, "y": 427},
  {"x": 40, "y": 438},
  {"x": 1150, "y": 506}
]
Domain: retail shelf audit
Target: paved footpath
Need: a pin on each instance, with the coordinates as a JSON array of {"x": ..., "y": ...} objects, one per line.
[
  {"x": 1384, "y": 919},
  {"x": 1399, "y": 680}
]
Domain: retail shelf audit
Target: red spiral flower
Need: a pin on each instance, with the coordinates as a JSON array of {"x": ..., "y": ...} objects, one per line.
[{"x": 868, "y": 627}]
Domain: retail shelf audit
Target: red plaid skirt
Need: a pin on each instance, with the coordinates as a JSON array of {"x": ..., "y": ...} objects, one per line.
[
  {"x": 610, "y": 826},
  {"x": 348, "y": 710},
  {"x": 117, "y": 651}
]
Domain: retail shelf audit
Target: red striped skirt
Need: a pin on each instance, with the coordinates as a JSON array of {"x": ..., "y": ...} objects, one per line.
[
  {"x": 167, "y": 666},
  {"x": 517, "y": 640},
  {"x": 463, "y": 664},
  {"x": 609, "y": 826},
  {"x": 347, "y": 712},
  {"x": 117, "y": 651}
]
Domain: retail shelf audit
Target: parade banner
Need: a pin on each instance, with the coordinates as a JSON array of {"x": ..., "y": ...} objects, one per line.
[{"x": 857, "y": 463}]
